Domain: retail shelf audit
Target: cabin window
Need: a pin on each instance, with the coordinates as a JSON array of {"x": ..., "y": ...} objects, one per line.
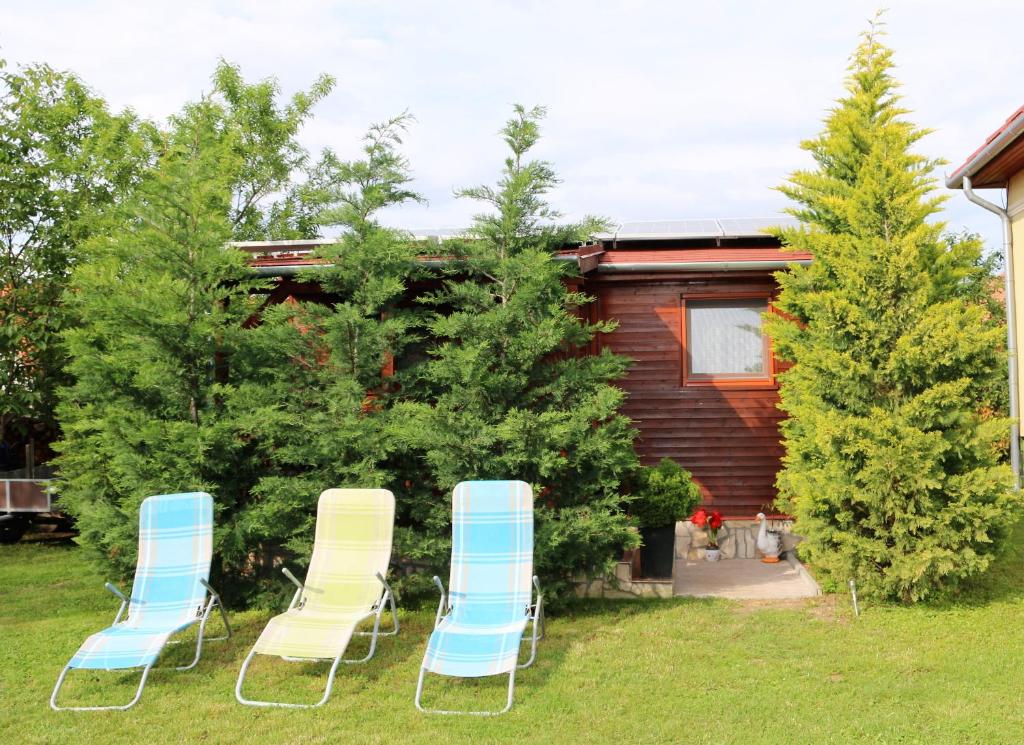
[{"x": 723, "y": 342}]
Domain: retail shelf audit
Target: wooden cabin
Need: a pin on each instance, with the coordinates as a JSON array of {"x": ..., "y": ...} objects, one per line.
[{"x": 688, "y": 297}]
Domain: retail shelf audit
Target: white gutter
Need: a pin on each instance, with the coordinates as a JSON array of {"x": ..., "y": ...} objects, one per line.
[
  {"x": 700, "y": 266},
  {"x": 992, "y": 149},
  {"x": 1011, "y": 323}
]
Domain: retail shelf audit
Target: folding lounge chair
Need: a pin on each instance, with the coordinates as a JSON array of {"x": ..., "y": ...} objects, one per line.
[
  {"x": 170, "y": 593},
  {"x": 344, "y": 585},
  {"x": 479, "y": 625}
]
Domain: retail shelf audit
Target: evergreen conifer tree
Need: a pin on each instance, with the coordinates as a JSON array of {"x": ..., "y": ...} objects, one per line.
[
  {"x": 162, "y": 301},
  {"x": 314, "y": 405},
  {"x": 166, "y": 339},
  {"x": 506, "y": 392},
  {"x": 892, "y": 468}
]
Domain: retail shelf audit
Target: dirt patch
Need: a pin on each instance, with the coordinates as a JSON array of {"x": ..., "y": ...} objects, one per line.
[
  {"x": 750, "y": 606},
  {"x": 828, "y": 608}
]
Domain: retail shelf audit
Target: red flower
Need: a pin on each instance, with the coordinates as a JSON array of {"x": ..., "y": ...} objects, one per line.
[
  {"x": 700, "y": 518},
  {"x": 715, "y": 521}
]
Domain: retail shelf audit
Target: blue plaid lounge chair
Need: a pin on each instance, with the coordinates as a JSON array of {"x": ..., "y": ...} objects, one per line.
[
  {"x": 480, "y": 624},
  {"x": 169, "y": 593}
]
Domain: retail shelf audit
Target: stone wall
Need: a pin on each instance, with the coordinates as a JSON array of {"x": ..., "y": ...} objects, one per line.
[
  {"x": 625, "y": 586},
  {"x": 737, "y": 539}
]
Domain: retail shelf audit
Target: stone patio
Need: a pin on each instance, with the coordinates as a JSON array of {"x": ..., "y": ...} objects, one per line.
[
  {"x": 740, "y": 575},
  {"x": 743, "y": 579}
]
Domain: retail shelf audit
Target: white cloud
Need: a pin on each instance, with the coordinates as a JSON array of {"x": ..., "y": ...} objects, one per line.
[{"x": 656, "y": 109}]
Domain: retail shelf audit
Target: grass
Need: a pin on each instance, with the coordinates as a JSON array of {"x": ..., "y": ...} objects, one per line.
[{"x": 692, "y": 671}]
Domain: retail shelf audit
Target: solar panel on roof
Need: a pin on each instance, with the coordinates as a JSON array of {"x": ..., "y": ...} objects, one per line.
[
  {"x": 437, "y": 233},
  {"x": 669, "y": 229},
  {"x": 751, "y": 226},
  {"x": 729, "y": 227}
]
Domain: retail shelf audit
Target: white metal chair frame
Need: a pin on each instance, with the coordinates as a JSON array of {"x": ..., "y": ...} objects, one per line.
[
  {"x": 202, "y": 616},
  {"x": 298, "y": 600},
  {"x": 534, "y": 613}
]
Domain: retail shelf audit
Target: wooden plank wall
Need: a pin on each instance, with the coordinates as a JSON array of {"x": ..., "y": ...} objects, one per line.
[{"x": 728, "y": 438}]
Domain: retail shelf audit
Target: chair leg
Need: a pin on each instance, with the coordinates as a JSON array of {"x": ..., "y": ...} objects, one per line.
[
  {"x": 373, "y": 638},
  {"x": 227, "y": 624},
  {"x": 538, "y": 617},
  {"x": 60, "y": 682},
  {"x": 390, "y": 598},
  {"x": 248, "y": 702},
  {"x": 202, "y": 626},
  {"x": 508, "y": 702}
]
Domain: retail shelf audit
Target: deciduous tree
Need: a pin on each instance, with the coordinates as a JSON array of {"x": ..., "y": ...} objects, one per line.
[{"x": 64, "y": 160}]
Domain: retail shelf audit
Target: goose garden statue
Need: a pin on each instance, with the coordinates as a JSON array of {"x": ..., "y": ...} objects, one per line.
[{"x": 768, "y": 543}]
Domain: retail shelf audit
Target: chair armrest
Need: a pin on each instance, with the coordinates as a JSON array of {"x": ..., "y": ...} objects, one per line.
[
  {"x": 287, "y": 573},
  {"x": 209, "y": 588},
  {"x": 384, "y": 582},
  {"x": 110, "y": 586},
  {"x": 442, "y": 606},
  {"x": 537, "y": 598},
  {"x": 124, "y": 601}
]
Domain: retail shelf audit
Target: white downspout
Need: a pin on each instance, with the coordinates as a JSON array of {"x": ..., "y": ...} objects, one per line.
[{"x": 1011, "y": 325}]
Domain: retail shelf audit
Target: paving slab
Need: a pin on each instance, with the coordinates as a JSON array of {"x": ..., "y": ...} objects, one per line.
[{"x": 743, "y": 579}]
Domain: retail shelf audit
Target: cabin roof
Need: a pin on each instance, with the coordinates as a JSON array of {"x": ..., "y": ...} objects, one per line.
[
  {"x": 657, "y": 245},
  {"x": 998, "y": 158}
]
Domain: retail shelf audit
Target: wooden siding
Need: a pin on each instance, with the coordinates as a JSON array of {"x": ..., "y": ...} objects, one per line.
[{"x": 728, "y": 438}]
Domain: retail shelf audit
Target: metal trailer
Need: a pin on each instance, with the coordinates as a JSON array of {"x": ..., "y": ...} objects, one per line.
[{"x": 23, "y": 502}]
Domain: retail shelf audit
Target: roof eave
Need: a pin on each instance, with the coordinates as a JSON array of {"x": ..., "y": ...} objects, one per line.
[{"x": 988, "y": 153}]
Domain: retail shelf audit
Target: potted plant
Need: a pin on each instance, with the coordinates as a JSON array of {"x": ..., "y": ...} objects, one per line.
[
  {"x": 711, "y": 523},
  {"x": 661, "y": 495}
]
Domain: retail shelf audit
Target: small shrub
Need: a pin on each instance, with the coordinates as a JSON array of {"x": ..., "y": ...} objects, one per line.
[{"x": 663, "y": 494}]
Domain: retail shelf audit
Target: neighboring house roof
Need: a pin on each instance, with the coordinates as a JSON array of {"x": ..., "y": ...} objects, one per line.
[{"x": 998, "y": 158}]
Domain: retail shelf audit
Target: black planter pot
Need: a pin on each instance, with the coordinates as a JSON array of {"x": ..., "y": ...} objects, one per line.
[{"x": 658, "y": 551}]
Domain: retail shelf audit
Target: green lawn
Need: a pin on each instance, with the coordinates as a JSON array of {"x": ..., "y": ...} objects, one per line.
[{"x": 688, "y": 671}]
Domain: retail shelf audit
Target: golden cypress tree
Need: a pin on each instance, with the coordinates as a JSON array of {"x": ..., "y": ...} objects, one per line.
[{"x": 892, "y": 469}]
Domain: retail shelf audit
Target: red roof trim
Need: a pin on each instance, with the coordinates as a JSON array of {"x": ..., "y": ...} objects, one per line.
[{"x": 683, "y": 255}]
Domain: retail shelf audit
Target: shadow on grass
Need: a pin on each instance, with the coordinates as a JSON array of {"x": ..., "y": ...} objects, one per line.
[
  {"x": 1002, "y": 582},
  {"x": 387, "y": 680},
  {"x": 395, "y": 666}
]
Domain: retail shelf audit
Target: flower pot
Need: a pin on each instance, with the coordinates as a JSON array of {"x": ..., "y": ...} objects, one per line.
[
  {"x": 658, "y": 551},
  {"x": 712, "y": 554}
]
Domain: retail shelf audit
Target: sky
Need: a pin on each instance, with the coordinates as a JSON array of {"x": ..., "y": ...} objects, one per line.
[{"x": 656, "y": 110}]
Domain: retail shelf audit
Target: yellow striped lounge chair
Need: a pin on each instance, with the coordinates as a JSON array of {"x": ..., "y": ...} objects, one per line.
[{"x": 345, "y": 585}]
